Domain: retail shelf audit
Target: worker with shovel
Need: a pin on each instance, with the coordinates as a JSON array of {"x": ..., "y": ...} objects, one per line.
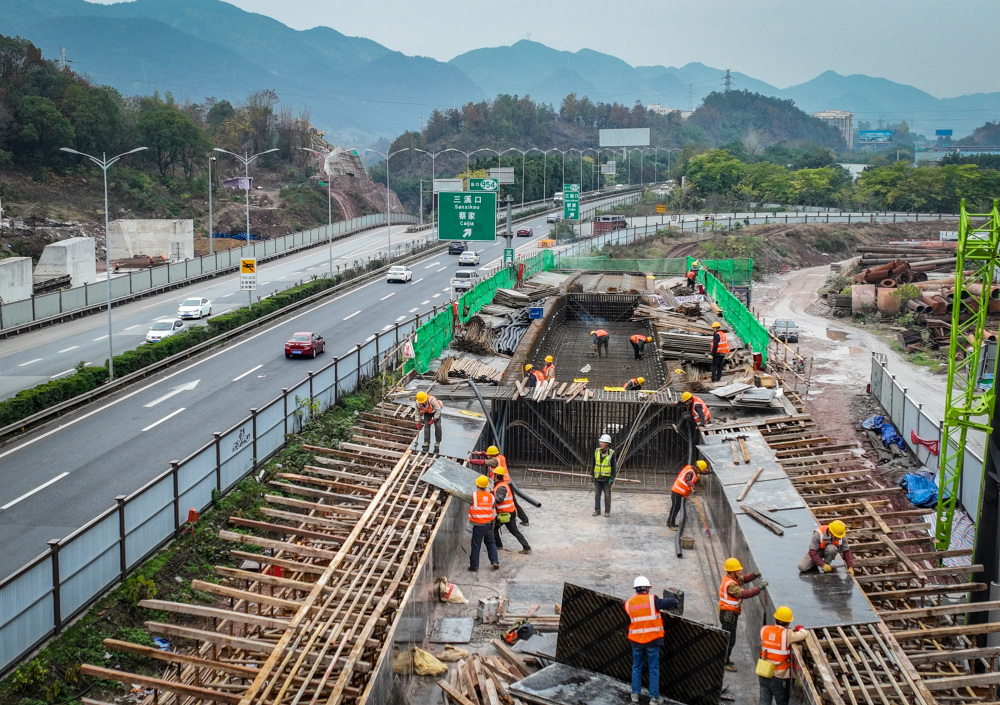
[
  {"x": 827, "y": 542},
  {"x": 604, "y": 475},
  {"x": 645, "y": 635},
  {"x": 731, "y": 594},
  {"x": 682, "y": 488}
]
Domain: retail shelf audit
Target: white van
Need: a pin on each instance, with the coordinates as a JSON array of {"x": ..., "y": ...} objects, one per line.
[
  {"x": 557, "y": 198},
  {"x": 465, "y": 280}
]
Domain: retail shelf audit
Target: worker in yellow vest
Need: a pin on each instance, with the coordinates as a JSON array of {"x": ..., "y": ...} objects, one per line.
[
  {"x": 776, "y": 647},
  {"x": 720, "y": 347},
  {"x": 638, "y": 343},
  {"x": 494, "y": 460},
  {"x": 731, "y": 594},
  {"x": 697, "y": 408},
  {"x": 682, "y": 488},
  {"x": 429, "y": 408},
  {"x": 482, "y": 512},
  {"x": 506, "y": 510},
  {"x": 604, "y": 475},
  {"x": 645, "y": 635}
]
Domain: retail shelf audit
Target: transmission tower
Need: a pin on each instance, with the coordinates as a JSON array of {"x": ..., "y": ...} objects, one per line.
[{"x": 727, "y": 81}]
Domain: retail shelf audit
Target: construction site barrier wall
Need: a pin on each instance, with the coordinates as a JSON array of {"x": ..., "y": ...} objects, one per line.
[
  {"x": 751, "y": 331},
  {"x": 42, "y": 596},
  {"x": 37, "y": 308},
  {"x": 908, "y": 416}
]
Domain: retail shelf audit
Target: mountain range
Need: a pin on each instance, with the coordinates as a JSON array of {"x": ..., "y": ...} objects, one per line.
[{"x": 356, "y": 89}]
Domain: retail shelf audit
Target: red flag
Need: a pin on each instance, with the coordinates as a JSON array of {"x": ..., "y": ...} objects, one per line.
[{"x": 931, "y": 446}]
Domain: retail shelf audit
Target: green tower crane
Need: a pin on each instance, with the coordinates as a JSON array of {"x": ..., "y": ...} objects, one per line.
[{"x": 967, "y": 405}]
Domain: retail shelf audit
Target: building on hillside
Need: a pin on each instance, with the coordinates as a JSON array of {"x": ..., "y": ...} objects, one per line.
[
  {"x": 660, "y": 110},
  {"x": 842, "y": 120}
]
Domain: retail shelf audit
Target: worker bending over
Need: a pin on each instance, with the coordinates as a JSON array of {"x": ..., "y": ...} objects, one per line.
[
  {"x": 604, "y": 475},
  {"x": 645, "y": 635},
  {"x": 682, "y": 489},
  {"x": 638, "y": 343},
  {"x": 429, "y": 408},
  {"x": 482, "y": 512},
  {"x": 692, "y": 275},
  {"x": 697, "y": 408},
  {"x": 776, "y": 647},
  {"x": 534, "y": 377},
  {"x": 503, "y": 495},
  {"x": 494, "y": 460},
  {"x": 720, "y": 346},
  {"x": 600, "y": 338},
  {"x": 550, "y": 367},
  {"x": 826, "y": 543},
  {"x": 635, "y": 384},
  {"x": 731, "y": 594}
]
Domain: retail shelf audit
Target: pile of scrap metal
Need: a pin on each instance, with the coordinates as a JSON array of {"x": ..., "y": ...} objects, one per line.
[{"x": 904, "y": 262}]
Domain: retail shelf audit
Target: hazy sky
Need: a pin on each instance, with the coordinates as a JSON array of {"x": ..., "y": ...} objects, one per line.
[{"x": 783, "y": 42}]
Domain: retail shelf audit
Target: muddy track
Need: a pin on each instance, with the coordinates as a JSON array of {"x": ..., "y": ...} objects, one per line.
[{"x": 347, "y": 208}]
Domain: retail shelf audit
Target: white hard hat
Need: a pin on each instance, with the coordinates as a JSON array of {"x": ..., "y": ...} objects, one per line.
[
  {"x": 605, "y": 438},
  {"x": 641, "y": 581}
]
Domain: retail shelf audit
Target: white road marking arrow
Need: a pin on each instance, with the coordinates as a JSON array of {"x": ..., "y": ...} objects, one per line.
[
  {"x": 175, "y": 391},
  {"x": 467, "y": 232}
]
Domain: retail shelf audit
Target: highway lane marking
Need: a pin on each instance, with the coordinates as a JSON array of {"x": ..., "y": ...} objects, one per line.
[
  {"x": 251, "y": 370},
  {"x": 434, "y": 264},
  {"x": 387, "y": 296},
  {"x": 224, "y": 296},
  {"x": 160, "y": 303},
  {"x": 37, "y": 489},
  {"x": 369, "y": 338},
  {"x": 165, "y": 418},
  {"x": 353, "y": 315},
  {"x": 30, "y": 362},
  {"x": 419, "y": 280},
  {"x": 388, "y": 327},
  {"x": 424, "y": 303},
  {"x": 103, "y": 337},
  {"x": 64, "y": 372},
  {"x": 443, "y": 268},
  {"x": 435, "y": 296},
  {"x": 173, "y": 392},
  {"x": 131, "y": 327},
  {"x": 401, "y": 318},
  {"x": 309, "y": 269},
  {"x": 71, "y": 347},
  {"x": 414, "y": 309}
]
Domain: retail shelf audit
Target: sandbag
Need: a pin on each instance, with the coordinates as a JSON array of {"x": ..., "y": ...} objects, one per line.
[
  {"x": 426, "y": 664},
  {"x": 451, "y": 654},
  {"x": 449, "y": 592}
]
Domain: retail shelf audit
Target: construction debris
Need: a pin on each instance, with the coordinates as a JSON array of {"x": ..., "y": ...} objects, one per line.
[
  {"x": 469, "y": 368},
  {"x": 512, "y": 298}
]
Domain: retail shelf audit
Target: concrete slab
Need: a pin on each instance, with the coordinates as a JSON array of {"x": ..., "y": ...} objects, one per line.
[
  {"x": 449, "y": 475},
  {"x": 778, "y": 493},
  {"x": 452, "y": 630},
  {"x": 15, "y": 279},
  {"x": 559, "y": 684},
  {"x": 74, "y": 256}
]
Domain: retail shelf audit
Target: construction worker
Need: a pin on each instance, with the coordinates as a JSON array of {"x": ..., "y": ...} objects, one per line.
[
  {"x": 635, "y": 384},
  {"x": 645, "y": 635},
  {"x": 776, "y": 646},
  {"x": 482, "y": 512},
  {"x": 698, "y": 408},
  {"x": 604, "y": 475},
  {"x": 826, "y": 543},
  {"x": 692, "y": 275},
  {"x": 720, "y": 346},
  {"x": 550, "y": 367},
  {"x": 638, "y": 343},
  {"x": 495, "y": 460},
  {"x": 682, "y": 489},
  {"x": 533, "y": 377},
  {"x": 601, "y": 338},
  {"x": 503, "y": 494},
  {"x": 429, "y": 408},
  {"x": 731, "y": 594}
]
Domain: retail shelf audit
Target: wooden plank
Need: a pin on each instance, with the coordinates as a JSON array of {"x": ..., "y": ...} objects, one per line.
[
  {"x": 917, "y": 571},
  {"x": 285, "y": 529},
  {"x": 312, "y": 506},
  {"x": 252, "y": 597},
  {"x": 455, "y": 693},
  {"x": 758, "y": 423},
  {"x": 874, "y": 515},
  {"x": 945, "y": 632},
  {"x": 295, "y": 566},
  {"x": 924, "y": 591},
  {"x": 824, "y": 670},
  {"x": 749, "y": 484},
  {"x": 920, "y": 613},
  {"x": 171, "y": 657},
  {"x": 257, "y": 645},
  {"x": 894, "y": 577},
  {"x": 513, "y": 658},
  {"x": 972, "y": 680},
  {"x": 191, "y": 691},
  {"x": 264, "y": 579},
  {"x": 762, "y": 519},
  {"x": 956, "y": 655},
  {"x": 215, "y": 613},
  {"x": 288, "y": 547},
  {"x": 469, "y": 679}
]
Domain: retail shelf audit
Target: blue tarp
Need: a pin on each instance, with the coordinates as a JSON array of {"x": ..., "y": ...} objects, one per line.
[
  {"x": 920, "y": 488},
  {"x": 889, "y": 434}
]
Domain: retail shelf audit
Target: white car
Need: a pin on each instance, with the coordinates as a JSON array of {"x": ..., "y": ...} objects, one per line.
[
  {"x": 463, "y": 281},
  {"x": 399, "y": 274},
  {"x": 194, "y": 308},
  {"x": 552, "y": 218},
  {"x": 471, "y": 258},
  {"x": 164, "y": 328},
  {"x": 619, "y": 187}
]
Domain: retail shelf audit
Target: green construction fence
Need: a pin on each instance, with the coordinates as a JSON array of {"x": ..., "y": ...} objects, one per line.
[
  {"x": 676, "y": 266},
  {"x": 739, "y": 318}
]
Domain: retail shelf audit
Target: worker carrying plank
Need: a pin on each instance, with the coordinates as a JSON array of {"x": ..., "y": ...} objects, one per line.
[
  {"x": 634, "y": 384},
  {"x": 682, "y": 488},
  {"x": 506, "y": 510},
  {"x": 776, "y": 657},
  {"x": 826, "y": 543},
  {"x": 550, "y": 367},
  {"x": 600, "y": 338},
  {"x": 697, "y": 408},
  {"x": 720, "y": 347},
  {"x": 533, "y": 377},
  {"x": 482, "y": 512},
  {"x": 645, "y": 635},
  {"x": 731, "y": 594},
  {"x": 638, "y": 343},
  {"x": 429, "y": 408},
  {"x": 604, "y": 474},
  {"x": 494, "y": 460}
]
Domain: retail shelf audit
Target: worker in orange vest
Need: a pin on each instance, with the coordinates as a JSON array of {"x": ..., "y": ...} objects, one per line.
[
  {"x": 682, "y": 489},
  {"x": 534, "y": 377},
  {"x": 698, "y": 408},
  {"x": 826, "y": 543},
  {"x": 494, "y": 461},
  {"x": 601, "y": 338},
  {"x": 429, "y": 408},
  {"x": 692, "y": 275},
  {"x": 506, "y": 510},
  {"x": 635, "y": 384},
  {"x": 720, "y": 346},
  {"x": 638, "y": 343},
  {"x": 645, "y": 635},
  {"x": 776, "y": 646},
  {"x": 731, "y": 594},
  {"x": 482, "y": 512},
  {"x": 550, "y": 367}
]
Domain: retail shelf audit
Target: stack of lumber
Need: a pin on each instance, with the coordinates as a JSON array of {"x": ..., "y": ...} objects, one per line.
[
  {"x": 536, "y": 291},
  {"x": 483, "y": 680},
  {"x": 667, "y": 318},
  {"x": 469, "y": 368},
  {"x": 554, "y": 390},
  {"x": 478, "y": 337},
  {"x": 509, "y": 297},
  {"x": 675, "y": 345}
]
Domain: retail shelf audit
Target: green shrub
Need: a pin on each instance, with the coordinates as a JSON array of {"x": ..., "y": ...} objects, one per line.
[
  {"x": 905, "y": 294},
  {"x": 839, "y": 241}
]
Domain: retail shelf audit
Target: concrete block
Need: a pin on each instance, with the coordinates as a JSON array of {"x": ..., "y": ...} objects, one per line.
[
  {"x": 172, "y": 239},
  {"x": 15, "y": 279},
  {"x": 75, "y": 257}
]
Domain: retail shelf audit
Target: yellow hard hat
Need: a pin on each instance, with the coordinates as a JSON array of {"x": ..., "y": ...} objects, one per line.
[
  {"x": 702, "y": 465},
  {"x": 649, "y": 339},
  {"x": 592, "y": 332},
  {"x": 482, "y": 482},
  {"x": 421, "y": 397},
  {"x": 492, "y": 450},
  {"x": 716, "y": 324},
  {"x": 732, "y": 564},
  {"x": 640, "y": 380},
  {"x": 548, "y": 358},
  {"x": 783, "y": 614},
  {"x": 527, "y": 367},
  {"x": 678, "y": 371},
  {"x": 837, "y": 528},
  {"x": 686, "y": 396},
  {"x": 500, "y": 471}
]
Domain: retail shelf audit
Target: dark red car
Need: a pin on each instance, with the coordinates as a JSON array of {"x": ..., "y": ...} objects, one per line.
[
  {"x": 305, "y": 345},
  {"x": 525, "y": 232}
]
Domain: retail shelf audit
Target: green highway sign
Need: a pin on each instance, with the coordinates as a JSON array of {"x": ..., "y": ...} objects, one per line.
[
  {"x": 467, "y": 215},
  {"x": 483, "y": 185},
  {"x": 508, "y": 256},
  {"x": 571, "y": 201}
]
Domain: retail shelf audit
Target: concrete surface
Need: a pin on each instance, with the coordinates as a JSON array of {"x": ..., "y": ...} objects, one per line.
[
  {"x": 15, "y": 278},
  {"x": 75, "y": 257},
  {"x": 173, "y": 239}
]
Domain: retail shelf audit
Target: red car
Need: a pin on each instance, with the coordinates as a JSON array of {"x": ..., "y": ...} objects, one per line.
[
  {"x": 525, "y": 232},
  {"x": 305, "y": 344}
]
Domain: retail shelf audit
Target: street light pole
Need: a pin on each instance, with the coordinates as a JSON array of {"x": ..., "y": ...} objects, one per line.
[
  {"x": 388, "y": 207},
  {"x": 105, "y": 164},
  {"x": 211, "y": 228}
]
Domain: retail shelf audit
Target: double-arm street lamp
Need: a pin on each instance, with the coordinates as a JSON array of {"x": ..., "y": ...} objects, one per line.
[
  {"x": 105, "y": 164},
  {"x": 246, "y": 160},
  {"x": 388, "y": 207},
  {"x": 329, "y": 206}
]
